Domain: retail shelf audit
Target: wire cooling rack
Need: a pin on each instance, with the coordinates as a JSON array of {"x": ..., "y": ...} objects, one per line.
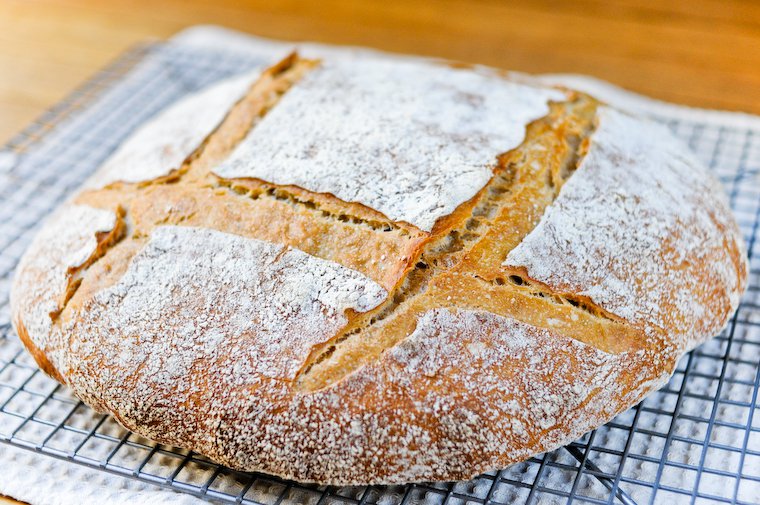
[{"x": 695, "y": 441}]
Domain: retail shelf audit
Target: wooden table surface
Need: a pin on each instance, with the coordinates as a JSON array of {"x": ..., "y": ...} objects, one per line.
[{"x": 697, "y": 52}]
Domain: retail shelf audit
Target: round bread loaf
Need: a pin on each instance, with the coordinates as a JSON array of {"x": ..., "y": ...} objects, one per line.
[{"x": 361, "y": 270}]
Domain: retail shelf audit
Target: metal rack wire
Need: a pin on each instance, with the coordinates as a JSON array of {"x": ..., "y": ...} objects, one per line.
[{"x": 695, "y": 441}]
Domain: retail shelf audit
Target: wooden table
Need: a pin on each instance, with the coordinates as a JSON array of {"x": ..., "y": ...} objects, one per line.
[{"x": 697, "y": 52}]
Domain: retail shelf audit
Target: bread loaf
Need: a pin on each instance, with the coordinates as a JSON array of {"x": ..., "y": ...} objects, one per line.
[{"x": 361, "y": 270}]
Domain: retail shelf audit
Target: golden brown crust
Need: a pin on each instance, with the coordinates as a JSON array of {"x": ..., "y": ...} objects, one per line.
[
  {"x": 471, "y": 362},
  {"x": 39, "y": 356}
]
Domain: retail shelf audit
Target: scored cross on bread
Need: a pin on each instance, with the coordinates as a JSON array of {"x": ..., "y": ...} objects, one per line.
[{"x": 380, "y": 271}]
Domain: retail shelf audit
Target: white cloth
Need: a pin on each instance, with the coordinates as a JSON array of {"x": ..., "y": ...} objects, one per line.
[{"x": 39, "y": 479}]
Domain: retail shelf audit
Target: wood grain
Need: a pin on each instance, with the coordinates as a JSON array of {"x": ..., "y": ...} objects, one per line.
[{"x": 697, "y": 52}]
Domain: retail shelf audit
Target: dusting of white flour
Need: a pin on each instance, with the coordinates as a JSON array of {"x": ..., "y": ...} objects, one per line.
[
  {"x": 631, "y": 224},
  {"x": 164, "y": 142},
  {"x": 67, "y": 240},
  {"x": 464, "y": 382},
  {"x": 412, "y": 141},
  {"x": 199, "y": 342},
  {"x": 190, "y": 289}
]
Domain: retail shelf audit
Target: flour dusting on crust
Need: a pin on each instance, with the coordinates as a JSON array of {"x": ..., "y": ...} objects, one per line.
[
  {"x": 463, "y": 383},
  {"x": 465, "y": 370},
  {"x": 412, "y": 141},
  {"x": 191, "y": 289},
  {"x": 199, "y": 338},
  {"x": 66, "y": 241},
  {"x": 163, "y": 143},
  {"x": 642, "y": 229}
]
